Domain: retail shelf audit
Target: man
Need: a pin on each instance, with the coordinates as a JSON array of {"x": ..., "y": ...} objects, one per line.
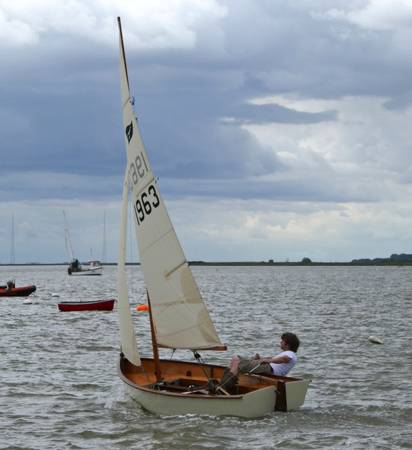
[
  {"x": 10, "y": 285},
  {"x": 280, "y": 364}
]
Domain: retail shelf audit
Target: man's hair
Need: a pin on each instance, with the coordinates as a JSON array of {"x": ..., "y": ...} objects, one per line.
[{"x": 292, "y": 340}]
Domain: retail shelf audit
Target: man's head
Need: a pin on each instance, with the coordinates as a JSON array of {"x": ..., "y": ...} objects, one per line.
[{"x": 291, "y": 341}]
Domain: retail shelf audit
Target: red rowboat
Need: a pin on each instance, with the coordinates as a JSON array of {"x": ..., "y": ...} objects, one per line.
[
  {"x": 94, "y": 305},
  {"x": 22, "y": 291}
]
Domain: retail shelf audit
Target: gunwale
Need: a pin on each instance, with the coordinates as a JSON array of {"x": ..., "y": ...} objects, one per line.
[{"x": 143, "y": 377}]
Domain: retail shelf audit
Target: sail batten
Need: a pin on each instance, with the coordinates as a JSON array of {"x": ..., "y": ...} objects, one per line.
[{"x": 168, "y": 278}]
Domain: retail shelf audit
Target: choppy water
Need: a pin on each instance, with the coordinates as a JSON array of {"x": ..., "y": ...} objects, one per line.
[{"x": 59, "y": 387}]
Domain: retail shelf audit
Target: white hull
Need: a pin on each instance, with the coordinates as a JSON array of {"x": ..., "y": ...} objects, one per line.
[
  {"x": 94, "y": 271},
  {"x": 264, "y": 396},
  {"x": 252, "y": 405},
  {"x": 295, "y": 393}
]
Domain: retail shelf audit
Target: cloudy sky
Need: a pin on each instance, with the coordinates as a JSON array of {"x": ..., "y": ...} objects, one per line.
[{"x": 277, "y": 129}]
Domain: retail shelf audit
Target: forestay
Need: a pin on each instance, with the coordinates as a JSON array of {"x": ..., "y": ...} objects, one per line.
[{"x": 180, "y": 316}]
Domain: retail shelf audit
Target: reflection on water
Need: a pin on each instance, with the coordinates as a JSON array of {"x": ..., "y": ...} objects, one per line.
[{"x": 59, "y": 387}]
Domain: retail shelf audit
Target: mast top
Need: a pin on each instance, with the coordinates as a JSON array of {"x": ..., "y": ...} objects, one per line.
[{"x": 119, "y": 23}]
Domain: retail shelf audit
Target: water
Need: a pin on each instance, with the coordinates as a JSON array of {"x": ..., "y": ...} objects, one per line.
[{"x": 59, "y": 388}]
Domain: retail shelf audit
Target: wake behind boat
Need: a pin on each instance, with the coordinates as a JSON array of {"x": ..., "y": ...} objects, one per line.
[
  {"x": 179, "y": 318},
  {"x": 92, "y": 305}
]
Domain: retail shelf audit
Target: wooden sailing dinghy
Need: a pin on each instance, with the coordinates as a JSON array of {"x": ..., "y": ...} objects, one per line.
[{"x": 179, "y": 318}]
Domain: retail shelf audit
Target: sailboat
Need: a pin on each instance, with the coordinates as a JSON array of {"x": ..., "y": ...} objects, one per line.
[
  {"x": 178, "y": 315},
  {"x": 93, "y": 267}
]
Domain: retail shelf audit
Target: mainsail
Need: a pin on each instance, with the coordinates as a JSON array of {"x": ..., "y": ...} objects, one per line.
[{"x": 181, "y": 319}]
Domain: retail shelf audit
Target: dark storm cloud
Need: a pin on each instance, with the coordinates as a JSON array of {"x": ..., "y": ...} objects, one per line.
[
  {"x": 61, "y": 109},
  {"x": 309, "y": 188}
]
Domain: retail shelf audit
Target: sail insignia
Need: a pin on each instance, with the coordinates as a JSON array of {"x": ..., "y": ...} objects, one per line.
[{"x": 129, "y": 132}]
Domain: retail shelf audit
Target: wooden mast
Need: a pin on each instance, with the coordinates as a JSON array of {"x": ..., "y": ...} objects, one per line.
[
  {"x": 158, "y": 372},
  {"x": 119, "y": 23}
]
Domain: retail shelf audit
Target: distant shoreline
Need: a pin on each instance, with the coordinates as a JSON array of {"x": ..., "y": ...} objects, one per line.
[{"x": 245, "y": 263}]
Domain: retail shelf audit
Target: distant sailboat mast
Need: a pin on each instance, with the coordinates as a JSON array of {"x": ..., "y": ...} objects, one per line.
[
  {"x": 104, "y": 239},
  {"x": 12, "y": 249},
  {"x": 67, "y": 240}
]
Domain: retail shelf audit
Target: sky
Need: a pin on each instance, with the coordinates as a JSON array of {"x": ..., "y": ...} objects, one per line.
[{"x": 277, "y": 130}]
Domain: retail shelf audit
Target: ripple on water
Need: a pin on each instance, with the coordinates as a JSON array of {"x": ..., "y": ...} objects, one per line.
[{"x": 59, "y": 385}]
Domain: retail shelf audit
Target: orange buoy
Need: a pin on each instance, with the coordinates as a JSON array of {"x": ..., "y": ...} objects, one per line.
[{"x": 142, "y": 307}]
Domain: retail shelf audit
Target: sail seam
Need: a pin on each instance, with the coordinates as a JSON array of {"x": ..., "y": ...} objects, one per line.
[
  {"x": 182, "y": 330},
  {"x": 168, "y": 273},
  {"x": 144, "y": 187},
  {"x": 170, "y": 230}
]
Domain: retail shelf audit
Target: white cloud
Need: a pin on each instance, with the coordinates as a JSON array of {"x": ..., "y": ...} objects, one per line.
[
  {"x": 391, "y": 16},
  {"x": 371, "y": 14},
  {"x": 383, "y": 15},
  {"x": 211, "y": 229},
  {"x": 16, "y": 33},
  {"x": 264, "y": 230},
  {"x": 292, "y": 101},
  {"x": 366, "y": 140},
  {"x": 148, "y": 25}
]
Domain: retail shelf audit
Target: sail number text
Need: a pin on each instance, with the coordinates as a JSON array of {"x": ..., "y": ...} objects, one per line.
[
  {"x": 147, "y": 201},
  {"x": 138, "y": 168}
]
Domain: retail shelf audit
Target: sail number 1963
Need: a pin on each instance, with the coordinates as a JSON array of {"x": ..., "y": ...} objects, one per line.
[{"x": 144, "y": 205}]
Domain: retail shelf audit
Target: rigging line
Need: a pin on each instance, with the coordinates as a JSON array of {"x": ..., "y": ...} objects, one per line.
[
  {"x": 199, "y": 359},
  {"x": 104, "y": 239},
  {"x": 171, "y": 357},
  {"x": 12, "y": 250}
]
